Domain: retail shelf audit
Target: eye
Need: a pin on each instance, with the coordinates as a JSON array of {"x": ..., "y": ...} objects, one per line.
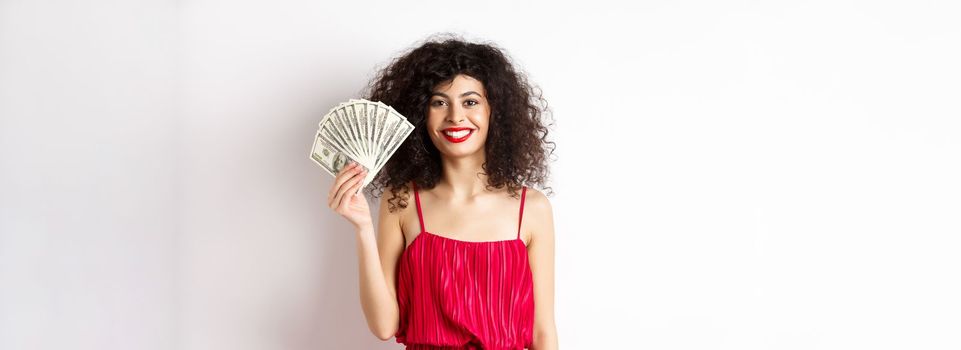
[
  {"x": 471, "y": 102},
  {"x": 437, "y": 103}
]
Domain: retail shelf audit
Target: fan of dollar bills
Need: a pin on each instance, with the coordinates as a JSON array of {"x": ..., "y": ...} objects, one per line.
[{"x": 360, "y": 130}]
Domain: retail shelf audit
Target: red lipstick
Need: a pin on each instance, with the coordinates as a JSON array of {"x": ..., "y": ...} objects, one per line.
[{"x": 457, "y": 135}]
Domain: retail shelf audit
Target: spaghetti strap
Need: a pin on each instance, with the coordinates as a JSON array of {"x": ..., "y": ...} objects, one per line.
[
  {"x": 420, "y": 215},
  {"x": 521, "y": 216}
]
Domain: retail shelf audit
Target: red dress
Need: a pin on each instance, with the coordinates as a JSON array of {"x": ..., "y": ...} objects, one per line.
[{"x": 457, "y": 294}]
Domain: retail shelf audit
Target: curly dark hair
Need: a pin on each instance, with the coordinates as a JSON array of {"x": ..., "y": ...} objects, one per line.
[{"x": 517, "y": 149}]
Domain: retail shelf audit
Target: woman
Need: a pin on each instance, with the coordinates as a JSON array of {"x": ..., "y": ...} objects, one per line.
[{"x": 483, "y": 276}]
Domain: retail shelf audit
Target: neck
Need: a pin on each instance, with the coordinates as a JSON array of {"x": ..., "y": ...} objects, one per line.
[{"x": 463, "y": 177}]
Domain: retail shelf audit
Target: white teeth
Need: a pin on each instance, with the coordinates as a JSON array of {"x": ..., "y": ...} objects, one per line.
[{"x": 457, "y": 134}]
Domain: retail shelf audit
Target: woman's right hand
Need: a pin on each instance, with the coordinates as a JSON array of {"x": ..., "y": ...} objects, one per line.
[{"x": 344, "y": 197}]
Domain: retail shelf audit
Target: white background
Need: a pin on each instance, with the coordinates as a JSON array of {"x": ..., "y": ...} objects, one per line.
[{"x": 729, "y": 175}]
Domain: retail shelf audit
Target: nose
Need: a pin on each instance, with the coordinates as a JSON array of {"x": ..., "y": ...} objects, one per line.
[{"x": 456, "y": 114}]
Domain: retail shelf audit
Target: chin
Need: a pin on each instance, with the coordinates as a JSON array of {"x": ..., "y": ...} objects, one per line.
[{"x": 460, "y": 152}]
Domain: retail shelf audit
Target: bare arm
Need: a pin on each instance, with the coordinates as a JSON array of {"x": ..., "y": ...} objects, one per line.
[
  {"x": 377, "y": 254},
  {"x": 541, "y": 255},
  {"x": 378, "y": 262}
]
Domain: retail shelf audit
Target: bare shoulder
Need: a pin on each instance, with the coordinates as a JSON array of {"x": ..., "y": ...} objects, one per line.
[
  {"x": 401, "y": 203},
  {"x": 538, "y": 216},
  {"x": 403, "y": 209},
  {"x": 537, "y": 203}
]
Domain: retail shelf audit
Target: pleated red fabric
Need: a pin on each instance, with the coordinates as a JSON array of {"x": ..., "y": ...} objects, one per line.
[{"x": 456, "y": 294}]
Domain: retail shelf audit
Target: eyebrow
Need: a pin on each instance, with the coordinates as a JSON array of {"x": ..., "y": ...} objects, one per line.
[{"x": 461, "y": 95}]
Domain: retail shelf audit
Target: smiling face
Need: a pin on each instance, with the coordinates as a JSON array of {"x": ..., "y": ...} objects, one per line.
[{"x": 458, "y": 115}]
